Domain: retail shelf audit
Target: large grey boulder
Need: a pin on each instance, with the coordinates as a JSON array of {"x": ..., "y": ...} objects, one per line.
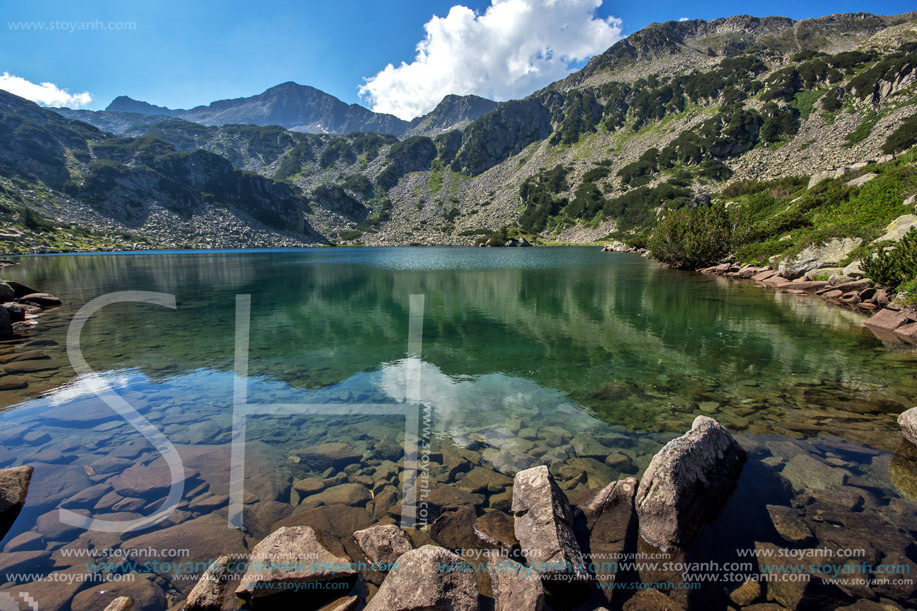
[
  {"x": 383, "y": 544},
  {"x": 14, "y": 486},
  {"x": 430, "y": 579},
  {"x": 516, "y": 587},
  {"x": 818, "y": 256},
  {"x": 908, "y": 423},
  {"x": 544, "y": 524},
  {"x": 289, "y": 556},
  {"x": 208, "y": 593},
  {"x": 6, "y": 292},
  {"x": 687, "y": 483}
]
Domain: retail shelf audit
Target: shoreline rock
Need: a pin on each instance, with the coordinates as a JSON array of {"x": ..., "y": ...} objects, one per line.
[
  {"x": 687, "y": 483},
  {"x": 544, "y": 525},
  {"x": 14, "y": 487}
]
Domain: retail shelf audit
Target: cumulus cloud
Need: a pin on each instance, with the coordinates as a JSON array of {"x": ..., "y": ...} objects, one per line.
[
  {"x": 684, "y": 19},
  {"x": 512, "y": 49},
  {"x": 46, "y": 94}
]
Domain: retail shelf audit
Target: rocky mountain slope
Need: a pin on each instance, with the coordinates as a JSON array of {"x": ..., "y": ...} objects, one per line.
[{"x": 672, "y": 116}]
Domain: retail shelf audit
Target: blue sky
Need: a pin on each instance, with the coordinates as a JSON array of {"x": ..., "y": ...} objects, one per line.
[{"x": 181, "y": 54}]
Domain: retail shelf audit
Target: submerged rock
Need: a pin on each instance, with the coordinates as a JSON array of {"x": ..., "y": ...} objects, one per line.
[
  {"x": 430, "y": 578},
  {"x": 383, "y": 543},
  {"x": 544, "y": 524},
  {"x": 687, "y": 483},
  {"x": 14, "y": 486},
  {"x": 288, "y": 556},
  {"x": 908, "y": 423}
]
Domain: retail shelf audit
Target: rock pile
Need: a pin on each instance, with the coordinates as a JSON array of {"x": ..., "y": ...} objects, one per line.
[
  {"x": 844, "y": 287},
  {"x": 20, "y": 305}
]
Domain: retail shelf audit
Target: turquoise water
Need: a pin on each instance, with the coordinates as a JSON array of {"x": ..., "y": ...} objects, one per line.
[{"x": 522, "y": 350}]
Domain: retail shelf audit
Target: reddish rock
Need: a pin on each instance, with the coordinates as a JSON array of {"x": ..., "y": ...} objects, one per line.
[
  {"x": 909, "y": 330},
  {"x": 889, "y": 320}
]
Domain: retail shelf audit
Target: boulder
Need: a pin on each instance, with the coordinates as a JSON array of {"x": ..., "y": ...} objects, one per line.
[
  {"x": 544, "y": 524},
  {"x": 6, "y": 292},
  {"x": 6, "y": 324},
  {"x": 21, "y": 290},
  {"x": 288, "y": 556},
  {"x": 859, "y": 181},
  {"x": 803, "y": 471},
  {"x": 611, "y": 495},
  {"x": 815, "y": 256},
  {"x": 207, "y": 594},
  {"x": 908, "y": 423},
  {"x": 687, "y": 483},
  {"x": 122, "y": 603},
  {"x": 430, "y": 578},
  {"x": 383, "y": 544},
  {"x": 41, "y": 299},
  {"x": 14, "y": 486},
  {"x": 516, "y": 587},
  {"x": 898, "y": 228}
]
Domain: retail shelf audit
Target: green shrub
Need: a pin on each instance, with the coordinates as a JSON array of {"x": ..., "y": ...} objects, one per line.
[
  {"x": 690, "y": 238},
  {"x": 896, "y": 266},
  {"x": 902, "y": 138}
]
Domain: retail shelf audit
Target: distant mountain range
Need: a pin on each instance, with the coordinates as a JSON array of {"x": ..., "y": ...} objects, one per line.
[{"x": 295, "y": 107}]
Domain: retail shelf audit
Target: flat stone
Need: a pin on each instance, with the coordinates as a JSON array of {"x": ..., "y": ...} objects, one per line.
[
  {"x": 889, "y": 320},
  {"x": 343, "y": 494},
  {"x": 687, "y": 483},
  {"x": 309, "y": 485},
  {"x": 651, "y": 600},
  {"x": 515, "y": 587},
  {"x": 425, "y": 581},
  {"x": 383, "y": 544},
  {"x": 746, "y": 594},
  {"x": 482, "y": 480},
  {"x": 586, "y": 446},
  {"x": 291, "y": 555},
  {"x": 335, "y": 454},
  {"x": 803, "y": 472},
  {"x": 17, "y": 367},
  {"x": 789, "y": 525},
  {"x": 496, "y": 528}
]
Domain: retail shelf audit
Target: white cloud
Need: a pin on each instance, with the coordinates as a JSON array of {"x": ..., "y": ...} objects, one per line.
[
  {"x": 684, "y": 19},
  {"x": 514, "y": 48},
  {"x": 46, "y": 94}
]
